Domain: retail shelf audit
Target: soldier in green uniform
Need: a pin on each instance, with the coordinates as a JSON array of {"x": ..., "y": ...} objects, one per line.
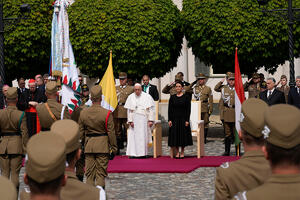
[
  {"x": 227, "y": 94},
  {"x": 51, "y": 111},
  {"x": 253, "y": 86},
  {"x": 203, "y": 93},
  {"x": 45, "y": 168},
  {"x": 74, "y": 189},
  {"x": 7, "y": 189},
  {"x": 120, "y": 113},
  {"x": 263, "y": 83},
  {"x": 282, "y": 150},
  {"x": 252, "y": 169},
  {"x": 14, "y": 136},
  {"x": 96, "y": 124}
]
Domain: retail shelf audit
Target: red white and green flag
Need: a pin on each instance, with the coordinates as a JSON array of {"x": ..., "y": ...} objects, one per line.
[{"x": 239, "y": 97}]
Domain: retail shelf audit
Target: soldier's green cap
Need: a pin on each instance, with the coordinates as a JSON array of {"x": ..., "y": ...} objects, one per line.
[
  {"x": 252, "y": 116},
  {"x": 201, "y": 76},
  {"x": 12, "y": 93},
  {"x": 51, "y": 87},
  {"x": 7, "y": 189},
  {"x": 255, "y": 76},
  {"x": 231, "y": 76},
  {"x": 46, "y": 157},
  {"x": 96, "y": 92},
  {"x": 178, "y": 77},
  {"x": 122, "y": 75},
  {"x": 282, "y": 125},
  {"x": 69, "y": 130}
]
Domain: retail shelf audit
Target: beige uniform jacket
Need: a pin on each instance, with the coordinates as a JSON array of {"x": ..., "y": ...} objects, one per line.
[
  {"x": 244, "y": 174},
  {"x": 92, "y": 121},
  {"x": 285, "y": 90},
  {"x": 227, "y": 95},
  {"x": 44, "y": 116},
  {"x": 277, "y": 187},
  {"x": 75, "y": 189},
  {"x": 253, "y": 89},
  {"x": 10, "y": 123},
  {"x": 122, "y": 94},
  {"x": 204, "y": 94},
  {"x": 170, "y": 89}
]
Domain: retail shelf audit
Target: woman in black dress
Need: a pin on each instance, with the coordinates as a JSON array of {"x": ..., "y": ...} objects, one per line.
[{"x": 179, "y": 117}]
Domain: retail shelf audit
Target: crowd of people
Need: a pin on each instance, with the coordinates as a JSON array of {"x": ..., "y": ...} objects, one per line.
[{"x": 81, "y": 143}]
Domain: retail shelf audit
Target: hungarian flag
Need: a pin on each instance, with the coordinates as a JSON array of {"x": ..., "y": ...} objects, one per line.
[
  {"x": 62, "y": 57},
  {"x": 109, "y": 94},
  {"x": 239, "y": 99}
]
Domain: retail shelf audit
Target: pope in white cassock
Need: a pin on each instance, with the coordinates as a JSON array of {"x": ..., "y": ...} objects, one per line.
[{"x": 141, "y": 116}]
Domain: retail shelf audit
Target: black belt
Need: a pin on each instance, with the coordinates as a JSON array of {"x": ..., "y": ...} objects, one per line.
[
  {"x": 11, "y": 134},
  {"x": 121, "y": 104},
  {"x": 228, "y": 106},
  {"x": 45, "y": 129},
  {"x": 204, "y": 101},
  {"x": 96, "y": 134}
]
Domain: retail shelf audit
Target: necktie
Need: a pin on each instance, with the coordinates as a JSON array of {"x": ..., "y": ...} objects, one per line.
[
  {"x": 298, "y": 89},
  {"x": 270, "y": 93}
]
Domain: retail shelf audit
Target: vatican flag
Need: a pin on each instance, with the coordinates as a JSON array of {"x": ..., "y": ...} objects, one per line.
[{"x": 109, "y": 94}]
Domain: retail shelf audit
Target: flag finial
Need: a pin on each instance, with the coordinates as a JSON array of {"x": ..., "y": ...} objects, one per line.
[{"x": 236, "y": 48}]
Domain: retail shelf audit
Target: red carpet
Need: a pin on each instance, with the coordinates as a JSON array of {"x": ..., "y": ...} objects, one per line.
[{"x": 164, "y": 164}]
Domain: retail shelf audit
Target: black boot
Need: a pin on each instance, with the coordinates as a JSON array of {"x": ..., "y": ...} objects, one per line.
[
  {"x": 80, "y": 177},
  {"x": 205, "y": 135},
  {"x": 227, "y": 146}
]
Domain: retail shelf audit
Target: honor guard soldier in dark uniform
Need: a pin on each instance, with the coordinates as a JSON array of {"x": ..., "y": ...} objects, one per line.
[
  {"x": 96, "y": 125},
  {"x": 282, "y": 149},
  {"x": 50, "y": 111},
  {"x": 228, "y": 95},
  {"x": 252, "y": 169},
  {"x": 120, "y": 113},
  {"x": 7, "y": 189},
  {"x": 45, "y": 168},
  {"x": 253, "y": 86},
  {"x": 74, "y": 189},
  {"x": 203, "y": 93},
  {"x": 14, "y": 136}
]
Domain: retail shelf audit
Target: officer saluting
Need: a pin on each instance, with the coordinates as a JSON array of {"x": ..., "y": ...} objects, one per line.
[
  {"x": 253, "y": 86},
  {"x": 120, "y": 113},
  {"x": 203, "y": 93},
  {"x": 282, "y": 149},
  {"x": 74, "y": 189},
  {"x": 14, "y": 136},
  {"x": 51, "y": 111},
  {"x": 228, "y": 95},
  {"x": 96, "y": 125}
]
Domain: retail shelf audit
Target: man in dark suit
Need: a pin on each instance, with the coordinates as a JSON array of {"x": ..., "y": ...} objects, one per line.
[
  {"x": 272, "y": 96},
  {"x": 294, "y": 94},
  {"x": 149, "y": 88}
]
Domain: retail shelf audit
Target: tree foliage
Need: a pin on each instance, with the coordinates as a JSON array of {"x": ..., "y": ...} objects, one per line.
[
  {"x": 214, "y": 28},
  {"x": 27, "y": 43},
  {"x": 145, "y": 36}
]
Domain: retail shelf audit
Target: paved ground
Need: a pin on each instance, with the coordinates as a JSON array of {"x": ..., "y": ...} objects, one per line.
[{"x": 198, "y": 184}]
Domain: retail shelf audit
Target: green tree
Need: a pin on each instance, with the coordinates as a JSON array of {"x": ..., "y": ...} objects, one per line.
[
  {"x": 145, "y": 36},
  {"x": 27, "y": 43},
  {"x": 214, "y": 28}
]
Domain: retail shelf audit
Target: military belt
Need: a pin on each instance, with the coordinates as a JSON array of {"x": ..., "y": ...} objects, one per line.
[
  {"x": 121, "y": 104},
  {"x": 11, "y": 134},
  {"x": 96, "y": 134},
  {"x": 205, "y": 101},
  {"x": 229, "y": 106}
]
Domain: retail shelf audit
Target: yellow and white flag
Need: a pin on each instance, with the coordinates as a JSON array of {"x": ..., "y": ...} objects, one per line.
[{"x": 109, "y": 94}]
